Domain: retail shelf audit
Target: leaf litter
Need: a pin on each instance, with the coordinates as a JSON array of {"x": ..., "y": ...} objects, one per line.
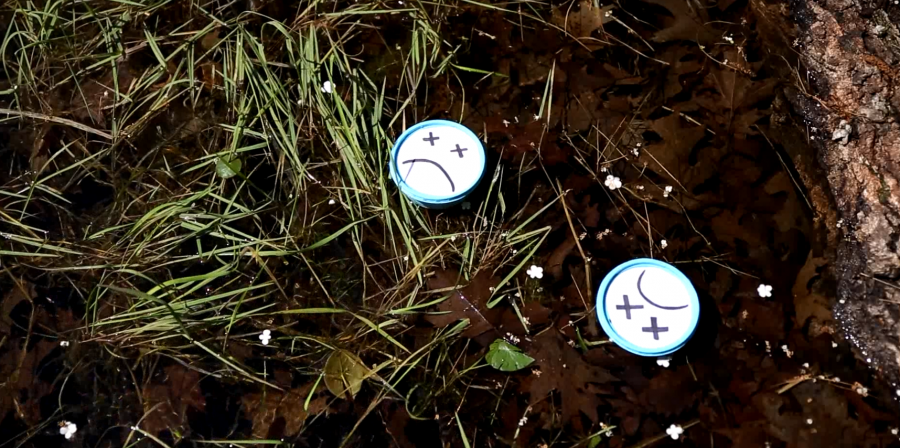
[{"x": 697, "y": 104}]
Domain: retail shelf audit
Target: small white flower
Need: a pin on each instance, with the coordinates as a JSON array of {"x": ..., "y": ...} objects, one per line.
[
  {"x": 663, "y": 244},
  {"x": 265, "y": 336},
  {"x": 636, "y": 152},
  {"x": 667, "y": 191},
  {"x": 894, "y": 431},
  {"x": 834, "y": 344},
  {"x": 809, "y": 421},
  {"x": 67, "y": 429},
  {"x": 327, "y": 87},
  {"x": 764, "y": 290},
  {"x": 331, "y": 202},
  {"x": 64, "y": 343},
  {"x": 506, "y": 123},
  {"x": 523, "y": 421},
  {"x": 664, "y": 361},
  {"x": 613, "y": 182},
  {"x": 602, "y": 169},
  {"x": 862, "y": 391},
  {"x": 535, "y": 272},
  {"x": 729, "y": 39},
  {"x": 675, "y": 431}
]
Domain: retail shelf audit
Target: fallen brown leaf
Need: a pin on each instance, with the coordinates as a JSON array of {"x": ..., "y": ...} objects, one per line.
[
  {"x": 564, "y": 370},
  {"x": 264, "y": 409},
  {"x": 166, "y": 403},
  {"x": 12, "y": 298},
  {"x": 582, "y": 23},
  {"x": 670, "y": 392},
  {"x": 20, "y": 389},
  {"x": 671, "y": 158},
  {"x": 469, "y": 302},
  {"x": 687, "y": 24},
  {"x": 808, "y": 303}
]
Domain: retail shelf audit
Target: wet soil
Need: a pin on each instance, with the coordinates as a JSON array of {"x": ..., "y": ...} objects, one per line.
[{"x": 666, "y": 95}]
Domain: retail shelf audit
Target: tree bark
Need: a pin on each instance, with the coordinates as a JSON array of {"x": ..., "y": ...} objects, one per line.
[{"x": 849, "y": 98}]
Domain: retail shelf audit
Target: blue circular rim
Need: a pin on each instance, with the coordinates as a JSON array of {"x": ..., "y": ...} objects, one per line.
[
  {"x": 426, "y": 199},
  {"x": 622, "y": 342}
]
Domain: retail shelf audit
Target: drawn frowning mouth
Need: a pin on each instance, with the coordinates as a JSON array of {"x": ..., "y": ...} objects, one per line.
[
  {"x": 650, "y": 301},
  {"x": 412, "y": 162}
]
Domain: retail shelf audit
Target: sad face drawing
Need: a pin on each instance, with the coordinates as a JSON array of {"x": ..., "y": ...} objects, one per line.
[
  {"x": 650, "y": 307},
  {"x": 440, "y": 161}
]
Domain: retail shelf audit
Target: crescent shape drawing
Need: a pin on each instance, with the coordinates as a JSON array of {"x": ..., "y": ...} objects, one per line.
[{"x": 651, "y": 302}]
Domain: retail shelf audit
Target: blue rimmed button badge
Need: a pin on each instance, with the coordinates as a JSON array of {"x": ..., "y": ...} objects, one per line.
[
  {"x": 648, "y": 307},
  {"x": 437, "y": 163}
]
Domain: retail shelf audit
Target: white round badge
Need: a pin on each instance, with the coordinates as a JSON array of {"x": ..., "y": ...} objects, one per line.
[
  {"x": 648, "y": 307},
  {"x": 438, "y": 161}
]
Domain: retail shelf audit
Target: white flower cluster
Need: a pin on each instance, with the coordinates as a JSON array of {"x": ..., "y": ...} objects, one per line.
[
  {"x": 67, "y": 429},
  {"x": 675, "y": 431},
  {"x": 265, "y": 337},
  {"x": 612, "y": 182}
]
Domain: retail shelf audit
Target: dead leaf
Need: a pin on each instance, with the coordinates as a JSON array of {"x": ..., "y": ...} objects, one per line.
[
  {"x": 211, "y": 74},
  {"x": 582, "y": 110},
  {"x": 671, "y": 391},
  {"x": 210, "y": 39},
  {"x": 808, "y": 303},
  {"x": 682, "y": 61},
  {"x": 687, "y": 24},
  {"x": 832, "y": 423},
  {"x": 469, "y": 302},
  {"x": 763, "y": 319},
  {"x": 733, "y": 104},
  {"x": 564, "y": 370},
  {"x": 12, "y": 298},
  {"x": 20, "y": 389},
  {"x": 396, "y": 420},
  {"x": 167, "y": 402},
  {"x": 582, "y": 23},
  {"x": 534, "y": 68},
  {"x": 264, "y": 409},
  {"x": 671, "y": 158}
]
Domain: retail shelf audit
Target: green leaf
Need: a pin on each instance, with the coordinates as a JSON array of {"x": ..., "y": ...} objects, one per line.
[
  {"x": 344, "y": 372},
  {"x": 227, "y": 169},
  {"x": 594, "y": 441},
  {"x": 507, "y": 357}
]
